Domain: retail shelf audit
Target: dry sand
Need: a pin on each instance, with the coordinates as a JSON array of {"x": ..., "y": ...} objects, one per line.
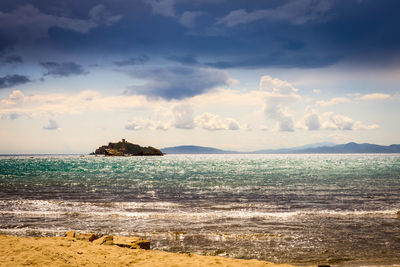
[{"x": 64, "y": 251}]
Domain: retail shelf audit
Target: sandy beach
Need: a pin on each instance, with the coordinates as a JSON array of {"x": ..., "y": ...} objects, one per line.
[{"x": 67, "y": 251}]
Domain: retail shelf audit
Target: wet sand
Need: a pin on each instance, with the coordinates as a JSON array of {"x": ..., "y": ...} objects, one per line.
[{"x": 66, "y": 251}]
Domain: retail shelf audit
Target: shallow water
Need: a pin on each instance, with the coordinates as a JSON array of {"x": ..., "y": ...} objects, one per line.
[{"x": 282, "y": 208}]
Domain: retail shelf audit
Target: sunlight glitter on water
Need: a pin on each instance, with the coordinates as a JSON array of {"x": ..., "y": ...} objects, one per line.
[{"x": 285, "y": 208}]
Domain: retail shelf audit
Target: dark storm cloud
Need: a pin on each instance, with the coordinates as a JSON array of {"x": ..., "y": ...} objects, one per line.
[
  {"x": 184, "y": 59},
  {"x": 295, "y": 11},
  {"x": 221, "y": 34},
  {"x": 13, "y": 80},
  {"x": 6, "y": 42},
  {"x": 24, "y": 23},
  {"x": 63, "y": 69},
  {"x": 289, "y": 60},
  {"x": 11, "y": 59},
  {"x": 178, "y": 82},
  {"x": 138, "y": 60}
]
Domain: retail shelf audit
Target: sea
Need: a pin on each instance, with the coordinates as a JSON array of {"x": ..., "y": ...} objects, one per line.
[{"x": 337, "y": 209}]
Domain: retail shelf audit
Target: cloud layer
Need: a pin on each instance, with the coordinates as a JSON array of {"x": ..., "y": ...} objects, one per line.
[
  {"x": 63, "y": 69},
  {"x": 296, "y": 12},
  {"x": 279, "y": 101},
  {"x": 26, "y": 22},
  {"x": 178, "y": 82},
  {"x": 183, "y": 118},
  {"x": 279, "y": 95},
  {"x": 331, "y": 121},
  {"x": 289, "y": 33},
  {"x": 52, "y": 125},
  {"x": 13, "y": 80}
]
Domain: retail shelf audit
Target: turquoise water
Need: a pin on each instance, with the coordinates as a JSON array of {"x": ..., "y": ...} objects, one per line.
[{"x": 282, "y": 208}]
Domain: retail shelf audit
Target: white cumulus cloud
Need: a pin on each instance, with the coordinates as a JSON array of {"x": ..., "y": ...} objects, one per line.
[
  {"x": 311, "y": 120},
  {"x": 57, "y": 103},
  {"x": 183, "y": 119},
  {"x": 276, "y": 86},
  {"x": 333, "y": 101},
  {"x": 16, "y": 97},
  {"x": 213, "y": 122},
  {"x": 183, "y": 116},
  {"x": 375, "y": 96},
  {"x": 146, "y": 124},
  {"x": 314, "y": 121},
  {"x": 52, "y": 125},
  {"x": 333, "y": 121},
  {"x": 278, "y": 95}
]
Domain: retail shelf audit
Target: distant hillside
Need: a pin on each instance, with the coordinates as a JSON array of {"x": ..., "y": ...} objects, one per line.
[
  {"x": 353, "y": 148},
  {"x": 293, "y": 149},
  {"x": 318, "y": 148},
  {"x": 195, "y": 150}
]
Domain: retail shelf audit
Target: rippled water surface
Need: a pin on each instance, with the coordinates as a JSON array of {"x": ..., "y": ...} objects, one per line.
[{"x": 301, "y": 209}]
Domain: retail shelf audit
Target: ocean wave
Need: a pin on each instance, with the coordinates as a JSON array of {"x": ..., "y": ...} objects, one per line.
[{"x": 169, "y": 210}]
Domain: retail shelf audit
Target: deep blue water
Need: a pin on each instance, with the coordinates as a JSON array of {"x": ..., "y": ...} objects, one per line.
[{"x": 282, "y": 208}]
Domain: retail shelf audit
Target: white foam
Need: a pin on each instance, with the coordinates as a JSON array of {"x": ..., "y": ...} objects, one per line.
[
  {"x": 167, "y": 210},
  {"x": 186, "y": 215}
]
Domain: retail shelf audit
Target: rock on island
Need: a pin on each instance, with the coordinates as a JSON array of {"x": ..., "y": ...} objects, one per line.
[{"x": 124, "y": 148}]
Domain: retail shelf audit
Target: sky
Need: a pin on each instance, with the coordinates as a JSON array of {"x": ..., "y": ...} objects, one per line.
[{"x": 232, "y": 74}]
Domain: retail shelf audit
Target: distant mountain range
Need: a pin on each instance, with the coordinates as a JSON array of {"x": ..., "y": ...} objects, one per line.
[
  {"x": 293, "y": 149},
  {"x": 317, "y": 148}
]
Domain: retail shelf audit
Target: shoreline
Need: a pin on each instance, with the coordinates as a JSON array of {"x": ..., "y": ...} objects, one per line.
[
  {"x": 69, "y": 251},
  {"x": 87, "y": 250},
  {"x": 341, "y": 211}
]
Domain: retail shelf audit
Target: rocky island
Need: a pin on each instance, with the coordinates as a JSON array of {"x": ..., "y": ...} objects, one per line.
[{"x": 124, "y": 148}]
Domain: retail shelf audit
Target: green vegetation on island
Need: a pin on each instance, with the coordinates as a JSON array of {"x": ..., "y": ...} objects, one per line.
[{"x": 124, "y": 148}]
